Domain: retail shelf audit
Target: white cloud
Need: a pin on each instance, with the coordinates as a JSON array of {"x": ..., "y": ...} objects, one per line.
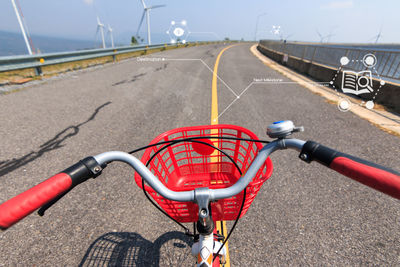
[
  {"x": 338, "y": 5},
  {"x": 88, "y": 2}
]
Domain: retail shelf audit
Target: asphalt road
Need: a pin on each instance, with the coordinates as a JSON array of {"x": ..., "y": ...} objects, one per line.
[{"x": 304, "y": 214}]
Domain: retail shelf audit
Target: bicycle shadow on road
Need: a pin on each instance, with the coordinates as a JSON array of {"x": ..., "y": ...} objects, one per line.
[
  {"x": 56, "y": 142},
  {"x": 131, "y": 249}
]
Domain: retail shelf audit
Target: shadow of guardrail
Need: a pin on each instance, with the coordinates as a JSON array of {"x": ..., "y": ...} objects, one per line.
[
  {"x": 131, "y": 249},
  {"x": 10, "y": 165}
]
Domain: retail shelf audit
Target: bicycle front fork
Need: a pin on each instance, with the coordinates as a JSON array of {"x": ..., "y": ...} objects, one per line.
[{"x": 207, "y": 246}]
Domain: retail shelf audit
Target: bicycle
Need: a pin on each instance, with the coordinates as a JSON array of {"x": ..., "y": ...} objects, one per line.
[{"x": 201, "y": 175}]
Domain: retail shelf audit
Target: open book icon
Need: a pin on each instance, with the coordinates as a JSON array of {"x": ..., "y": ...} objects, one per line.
[{"x": 357, "y": 82}]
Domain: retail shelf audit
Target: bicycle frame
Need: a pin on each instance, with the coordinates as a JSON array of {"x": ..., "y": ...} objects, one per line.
[{"x": 205, "y": 249}]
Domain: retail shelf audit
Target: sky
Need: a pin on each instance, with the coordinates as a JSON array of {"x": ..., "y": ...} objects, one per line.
[{"x": 349, "y": 21}]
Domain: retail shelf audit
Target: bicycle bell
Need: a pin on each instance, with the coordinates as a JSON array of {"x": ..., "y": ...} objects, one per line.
[{"x": 282, "y": 129}]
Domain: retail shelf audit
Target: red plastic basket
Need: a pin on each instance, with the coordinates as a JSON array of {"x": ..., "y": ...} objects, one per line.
[{"x": 187, "y": 165}]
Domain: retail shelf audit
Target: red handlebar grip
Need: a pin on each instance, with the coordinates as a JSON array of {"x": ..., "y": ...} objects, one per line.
[
  {"x": 379, "y": 179},
  {"x": 25, "y": 203}
]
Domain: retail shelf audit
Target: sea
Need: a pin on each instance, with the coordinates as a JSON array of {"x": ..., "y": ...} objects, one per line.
[{"x": 12, "y": 43}]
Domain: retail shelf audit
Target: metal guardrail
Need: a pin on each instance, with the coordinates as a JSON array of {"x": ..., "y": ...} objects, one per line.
[
  {"x": 388, "y": 60},
  {"x": 37, "y": 61}
]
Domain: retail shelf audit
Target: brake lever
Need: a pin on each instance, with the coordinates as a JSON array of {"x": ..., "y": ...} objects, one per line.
[
  {"x": 45, "y": 207},
  {"x": 79, "y": 173}
]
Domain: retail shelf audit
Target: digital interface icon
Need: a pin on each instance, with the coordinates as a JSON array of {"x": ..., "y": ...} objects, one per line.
[
  {"x": 360, "y": 82},
  {"x": 369, "y": 60},
  {"x": 357, "y": 83},
  {"x": 344, "y": 105},
  {"x": 276, "y": 30},
  {"x": 178, "y": 31}
]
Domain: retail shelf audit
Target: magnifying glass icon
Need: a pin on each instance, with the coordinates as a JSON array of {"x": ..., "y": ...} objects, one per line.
[{"x": 364, "y": 82}]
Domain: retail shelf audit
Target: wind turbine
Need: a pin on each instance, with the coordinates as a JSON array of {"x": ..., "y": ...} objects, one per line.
[
  {"x": 329, "y": 37},
  {"x": 285, "y": 38},
  {"x": 110, "y": 31},
  {"x": 23, "y": 30},
  {"x": 378, "y": 36},
  {"x": 146, "y": 11},
  {"x": 331, "y": 34},
  {"x": 322, "y": 38},
  {"x": 100, "y": 26}
]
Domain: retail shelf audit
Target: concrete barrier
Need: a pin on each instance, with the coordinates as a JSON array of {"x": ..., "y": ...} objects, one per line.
[{"x": 388, "y": 96}]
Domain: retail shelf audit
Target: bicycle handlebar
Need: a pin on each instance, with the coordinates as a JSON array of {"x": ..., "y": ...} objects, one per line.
[
  {"x": 27, "y": 202},
  {"x": 259, "y": 160},
  {"x": 370, "y": 174},
  {"x": 214, "y": 194},
  {"x": 145, "y": 173},
  {"x": 47, "y": 193}
]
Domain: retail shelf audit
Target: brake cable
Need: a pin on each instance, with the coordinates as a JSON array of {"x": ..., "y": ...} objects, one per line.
[
  {"x": 187, "y": 231},
  {"x": 199, "y": 137},
  {"x": 192, "y": 139}
]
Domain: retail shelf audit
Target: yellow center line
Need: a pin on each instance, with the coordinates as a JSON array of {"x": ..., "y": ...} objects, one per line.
[
  {"x": 214, "y": 91},
  {"x": 221, "y": 226}
]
